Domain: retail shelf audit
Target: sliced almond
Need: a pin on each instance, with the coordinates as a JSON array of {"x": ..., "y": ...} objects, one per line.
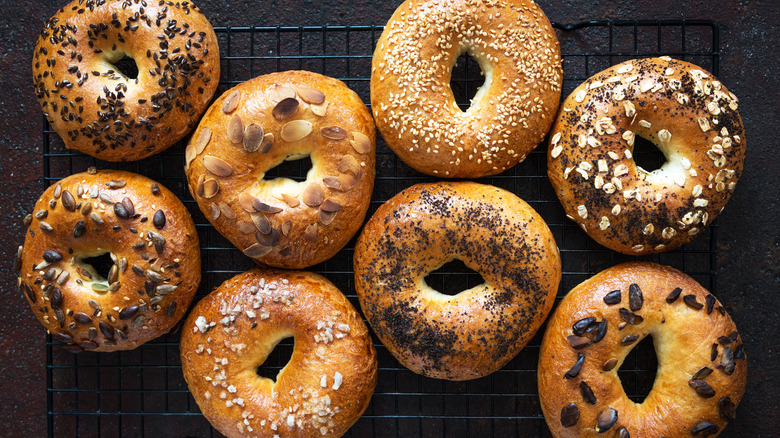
[
  {"x": 349, "y": 164},
  {"x": 253, "y": 137},
  {"x": 296, "y": 130},
  {"x": 311, "y": 96},
  {"x": 320, "y": 110},
  {"x": 235, "y": 130},
  {"x": 246, "y": 227},
  {"x": 256, "y": 250},
  {"x": 199, "y": 186},
  {"x": 227, "y": 211},
  {"x": 214, "y": 212},
  {"x": 313, "y": 194},
  {"x": 265, "y": 208},
  {"x": 231, "y": 102},
  {"x": 333, "y": 133},
  {"x": 189, "y": 155},
  {"x": 268, "y": 239},
  {"x": 347, "y": 182},
  {"x": 292, "y": 201},
  {"x": 331, "y": 182},
  {"x": 310, "y": 233},
  {"x": 210, "y": 188},
  {"x": 286, "y": 226},
  {"x": 360, "y": 142},
  {"x": 203, "y": 140},
  {"x": 330, "y": 205},
  {"x": 267, "y": 144},
  {"x": 285, "y": 109},
  {"x": 261, "y": 222},
  {"x": 280, "y": 92},
  {"x": 327, "y": 217},
  {"x": 246, "y": 201},
  {"x": 217, "y": 166}
]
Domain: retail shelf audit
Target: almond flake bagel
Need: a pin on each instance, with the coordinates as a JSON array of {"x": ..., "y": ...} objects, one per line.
[
  {"x": 701, "y": 360},
  {"x": 323, "y": 389},
  {"x": 690, "y": 116},
  {"x": 151, "y": 239},
  {"x": 257, "y": 125},
  {"x": 413, "y": 104},
  {"x": 98, "y": 110},
  {"x": 479, "y": 330}
]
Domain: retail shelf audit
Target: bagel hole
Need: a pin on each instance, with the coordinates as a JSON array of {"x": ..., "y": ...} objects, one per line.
[
  {"x": 127, "y": 67},
  {"x": 637, "y": 374},
  {"x": 451, "y": 278},
  {"x": 647, "y": 155},
  {"x": 101, "y": 264},
  {"x": 293, "y": 167},
  {"x": 277, "y": 359},
  {"x": 466, "y": 79}
]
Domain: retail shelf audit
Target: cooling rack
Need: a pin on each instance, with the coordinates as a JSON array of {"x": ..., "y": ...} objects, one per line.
[{"x": 143, "y": 393}]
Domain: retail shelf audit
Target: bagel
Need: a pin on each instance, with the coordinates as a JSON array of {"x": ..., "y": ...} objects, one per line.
[
  {"x": 413, "y": 104},
  {"x": 477, "y": 331},
  {"x": 261, "y": 123},
  {"x": 322, "y": 391},
  {"x": 690, "y": 116},
  {"x": 90, "y": 102},
  {"x": 701, "y": 361},
  {"x": 151, "y": 239}
]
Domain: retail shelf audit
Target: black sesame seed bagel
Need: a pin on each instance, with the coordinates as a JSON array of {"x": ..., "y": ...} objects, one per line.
[
  {"x": 323, "y": 389},
  {"x": 98, "y": 110},
  {"x": 256, "y": 126},
  {"x": 701, "y": 361},
  {"x": 151, "y": 239},
  {"x": 687, "y": 114},
  {"x": 413, "y": 103},
  {"x": 478, "y": 331}
]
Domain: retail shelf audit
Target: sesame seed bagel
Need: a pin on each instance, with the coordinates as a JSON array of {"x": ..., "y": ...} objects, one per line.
[
  {"x": 413, "y": 104},
  {"x": 690, "y": 116},
  {"x": 477, "y": 331},
  {"x": 152, "y": 242},
  {"x": 256, "y": 126},
  {"x": 98, "y": 110},
  {"x": 701, "y": 361},
  {"x": 321, "y": 391}
]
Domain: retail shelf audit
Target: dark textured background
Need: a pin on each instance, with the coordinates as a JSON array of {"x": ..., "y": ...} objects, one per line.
[{"x": 749, "y": 242}]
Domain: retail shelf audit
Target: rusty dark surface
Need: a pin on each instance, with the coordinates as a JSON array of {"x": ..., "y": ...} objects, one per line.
[{"x": 748, "y": 260}]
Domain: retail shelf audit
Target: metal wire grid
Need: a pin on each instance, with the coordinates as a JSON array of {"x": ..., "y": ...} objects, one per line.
[{"x": 142, "y": 392}]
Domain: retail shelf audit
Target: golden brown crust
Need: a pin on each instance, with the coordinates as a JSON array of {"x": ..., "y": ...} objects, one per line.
[
  {"x": 678, "y": 106},
  {"x": 684, "y": 332},
  {"x": 98, "y": 110},
  {"x": 151, "y": 239},
  {"x": 280, "y": 222},
  {"x": 479, "y": 330},
  {"x": 414, "y": 106},
  {"x": 324, "y": 388}
]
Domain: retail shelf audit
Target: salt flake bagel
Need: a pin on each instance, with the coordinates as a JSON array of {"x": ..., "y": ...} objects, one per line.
[
  {"x": 687, "y": 113},
  {"x": 98, "y": 110},
  {"x": 478, "y": 331},
  {"x": 322, "y": 391},
  {"x": 413, "y": 104},
  {"x": 701, "y": 360},
  {"x": 151, "y": 239},
  {"x": 261, "y": 123}
]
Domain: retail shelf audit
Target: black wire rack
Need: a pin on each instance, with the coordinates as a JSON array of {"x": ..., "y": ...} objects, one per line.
[{"x": 143, "y": 393}]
